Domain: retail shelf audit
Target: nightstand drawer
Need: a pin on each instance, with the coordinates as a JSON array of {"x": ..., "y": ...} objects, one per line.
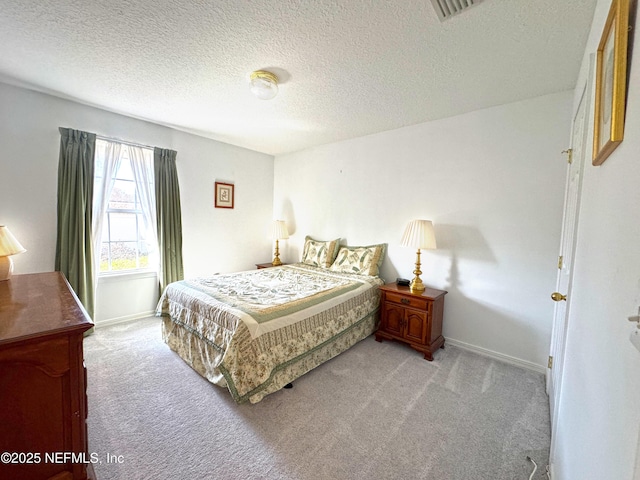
[{"x": 407, "y": 301}]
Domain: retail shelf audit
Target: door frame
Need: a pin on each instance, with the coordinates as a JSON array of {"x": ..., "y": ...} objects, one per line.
[{"x": 554, "y": 375}]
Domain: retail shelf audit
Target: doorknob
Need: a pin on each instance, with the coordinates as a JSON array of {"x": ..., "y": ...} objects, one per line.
[{"x": 557, "y": 297}]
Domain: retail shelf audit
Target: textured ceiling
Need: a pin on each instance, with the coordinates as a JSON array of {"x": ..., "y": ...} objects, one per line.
[{"x": 348, "y": 67}]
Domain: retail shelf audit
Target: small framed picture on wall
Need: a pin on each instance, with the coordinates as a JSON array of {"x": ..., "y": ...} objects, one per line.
[
  {"x": 223, "y": 195},
  {"x": 611, "y": 81}
]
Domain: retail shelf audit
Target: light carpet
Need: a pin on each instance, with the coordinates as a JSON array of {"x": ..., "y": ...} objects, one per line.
[{"x": 377, "y": 411}]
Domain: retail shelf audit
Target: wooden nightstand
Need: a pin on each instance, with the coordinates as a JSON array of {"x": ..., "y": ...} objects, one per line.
[
  {"x": 413, "y": 318},
  {"x": 266, "y": 265}
]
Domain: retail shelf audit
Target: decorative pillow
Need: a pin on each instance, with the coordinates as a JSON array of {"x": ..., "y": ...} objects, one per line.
[
  {"x": 318, "y": 253},
  {"x": 362, "y": 260}
]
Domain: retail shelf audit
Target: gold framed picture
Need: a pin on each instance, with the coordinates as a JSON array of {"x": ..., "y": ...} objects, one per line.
[
  {"x": 224, "y": 195},
  {"x": 611, "y": 82}
]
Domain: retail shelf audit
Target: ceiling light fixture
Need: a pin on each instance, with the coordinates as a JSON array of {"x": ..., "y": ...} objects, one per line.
[{"x": 264, "y": 85}]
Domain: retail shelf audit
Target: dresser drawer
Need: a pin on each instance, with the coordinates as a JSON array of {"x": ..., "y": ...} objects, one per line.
[{"x": 407, "y": 301}]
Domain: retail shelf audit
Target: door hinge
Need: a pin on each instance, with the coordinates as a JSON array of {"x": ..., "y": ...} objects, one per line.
[
  {"x": 569, "y": 153},
  {"x": 560, "y": 262},
  {"x": 550, "y": 362}
]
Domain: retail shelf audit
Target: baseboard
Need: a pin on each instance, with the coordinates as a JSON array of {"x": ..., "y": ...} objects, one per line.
[
  {"x": 127, "y": 318},
  {"x": 498, "y": 356}
]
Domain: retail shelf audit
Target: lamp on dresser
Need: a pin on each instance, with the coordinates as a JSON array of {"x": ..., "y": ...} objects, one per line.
[
  {"x": 280, "y": 232},
  {"x": 419, "y": 234},
  {"x": 8, "y": 246}
]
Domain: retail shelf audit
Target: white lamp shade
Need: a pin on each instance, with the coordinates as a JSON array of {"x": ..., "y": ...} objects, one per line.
[
  {"x": 8, "y": 243},
  {"x": 280, "y": 231},
  {"x": 419, "y": 234}
]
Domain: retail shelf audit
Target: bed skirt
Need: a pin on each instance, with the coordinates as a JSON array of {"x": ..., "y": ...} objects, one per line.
[{"x": 212, "y": 362}]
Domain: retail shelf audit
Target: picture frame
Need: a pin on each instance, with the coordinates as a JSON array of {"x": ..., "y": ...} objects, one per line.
[
  {"x": 224, "y": 195},
  {"x": 611, "y": 82}
]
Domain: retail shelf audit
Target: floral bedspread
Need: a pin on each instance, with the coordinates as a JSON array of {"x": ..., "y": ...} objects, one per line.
[{"x": 256, "y": 331}]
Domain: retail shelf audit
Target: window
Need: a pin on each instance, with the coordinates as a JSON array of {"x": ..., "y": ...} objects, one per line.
[{"x": 124, "y": 208}]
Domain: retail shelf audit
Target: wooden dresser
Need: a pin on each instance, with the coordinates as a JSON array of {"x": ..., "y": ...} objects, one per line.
[
  {"x": 43, "y": 403},
  {"x": 413, "y": 318}
]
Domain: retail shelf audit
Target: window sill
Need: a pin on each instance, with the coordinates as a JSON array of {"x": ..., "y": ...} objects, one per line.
[{"x": 128, "y": 275}]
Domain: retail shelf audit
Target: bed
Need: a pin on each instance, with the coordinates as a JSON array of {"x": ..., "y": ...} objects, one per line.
[{"x": 256, "y": 331}]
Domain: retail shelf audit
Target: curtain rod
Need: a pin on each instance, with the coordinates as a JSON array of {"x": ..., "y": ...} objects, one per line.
[{"x": 124, "y": 142}]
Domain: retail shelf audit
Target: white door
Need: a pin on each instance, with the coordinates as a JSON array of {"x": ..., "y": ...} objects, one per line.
[{"x": 562, "y": 295}]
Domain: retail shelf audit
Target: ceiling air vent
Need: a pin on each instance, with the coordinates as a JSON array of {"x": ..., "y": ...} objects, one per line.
[{"x": 448, "y": 8}]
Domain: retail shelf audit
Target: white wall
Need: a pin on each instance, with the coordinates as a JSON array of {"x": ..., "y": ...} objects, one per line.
[
  {"x": 492, "y": 181},
  {"x": 599, "y": 418},
  {"x": 214, "y": 240}
]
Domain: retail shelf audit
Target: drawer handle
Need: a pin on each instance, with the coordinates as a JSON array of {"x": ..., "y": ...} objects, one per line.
[{"x": 406, "y": 301}]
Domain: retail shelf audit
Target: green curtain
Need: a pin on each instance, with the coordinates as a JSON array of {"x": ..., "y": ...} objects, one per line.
[
  {"x": 168, "y": 216},
  {"x": 74, "y": 250}
]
